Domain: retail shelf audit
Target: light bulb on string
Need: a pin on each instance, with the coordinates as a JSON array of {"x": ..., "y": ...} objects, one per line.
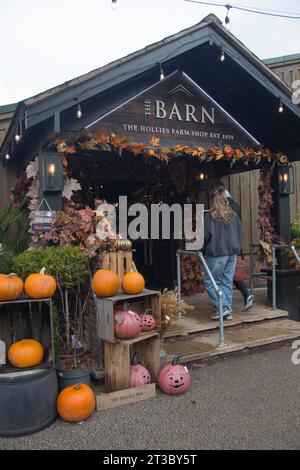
[
  {"x": 79, "y": 112},
  {"x": 227, "y": 19},
  {"x": 114, "y": 4},
  {"x": 18, "y": 133},
  {"x": 162, "y": 75},
  {"x": 222, "y": 56},
  {"x": 7, "y": 156},
  {"x": 280, "y": 107}
]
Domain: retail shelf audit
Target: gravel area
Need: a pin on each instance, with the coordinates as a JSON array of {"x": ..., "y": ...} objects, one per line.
[{"x": 250, "y": 401}]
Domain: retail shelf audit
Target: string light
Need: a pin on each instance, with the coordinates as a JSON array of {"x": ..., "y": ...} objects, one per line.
[
  {"x": 222, "y": 56},
  {"x": 227, "y": 19},
  {"x": 18, "y": 133},
  {"x": 162, "y": 75},
  {"x": 114, "y": 4},
  {"x": 280, "y": 107},
  {"x": 79, "y": 112},
  {"x": 7, "y": 156}
]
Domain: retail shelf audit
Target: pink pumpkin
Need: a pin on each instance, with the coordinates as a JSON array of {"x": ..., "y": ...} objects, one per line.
[
  {"x": 127, "y": 324},
  {"x": 138, "y": 374},
  {"x": 174, "y": 378},
  {"x": 148, "y": 321}
]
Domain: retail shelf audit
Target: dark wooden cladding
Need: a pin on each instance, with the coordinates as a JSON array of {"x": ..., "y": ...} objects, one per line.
[{"x": 177, "y": 111}]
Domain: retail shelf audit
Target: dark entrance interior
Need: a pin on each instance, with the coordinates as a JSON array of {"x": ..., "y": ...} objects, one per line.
[{"x": 104, "y": 175}]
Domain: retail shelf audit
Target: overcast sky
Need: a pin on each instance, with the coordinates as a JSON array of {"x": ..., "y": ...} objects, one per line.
[{"x": 45, "y": 42}]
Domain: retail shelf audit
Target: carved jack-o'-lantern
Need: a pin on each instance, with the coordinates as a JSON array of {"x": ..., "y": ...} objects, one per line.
[
  {"x": 127, "y": 324},
  {"x": 174, "y": 378},
  {"x": 148, "y": 321},
  {"x": 138, "y": 374}
]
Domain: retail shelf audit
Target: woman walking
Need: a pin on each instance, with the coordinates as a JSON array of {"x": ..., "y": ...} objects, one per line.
[{"x": 223, "y": 239}]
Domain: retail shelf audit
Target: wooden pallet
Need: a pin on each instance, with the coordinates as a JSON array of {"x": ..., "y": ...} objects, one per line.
[
  {"x": 117, "y": 359},
  {"x": 119, "y": 261}
]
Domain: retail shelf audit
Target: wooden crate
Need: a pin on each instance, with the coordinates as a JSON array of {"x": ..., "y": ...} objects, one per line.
[
  {"x": 25, "y": 319},
  {"x": 107, "y": 306},
  {"x": 119, "y": 261},
  {"x": 129, "y": 396},
  {"x": 117, "y": 358}
]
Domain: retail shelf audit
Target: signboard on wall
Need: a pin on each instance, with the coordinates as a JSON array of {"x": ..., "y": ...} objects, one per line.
[{"x": 177, "y": 111}]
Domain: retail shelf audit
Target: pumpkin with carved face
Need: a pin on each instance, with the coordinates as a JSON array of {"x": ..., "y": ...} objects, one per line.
[
  {"x": 174, "y": 378},
  {"x": 127, "y": 324},
  {"x": 138, "y": 374},
  {"x": 148, "y": 321}
]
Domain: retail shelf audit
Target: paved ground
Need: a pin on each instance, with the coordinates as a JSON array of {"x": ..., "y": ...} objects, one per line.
[{"x": 246, "y": 402}]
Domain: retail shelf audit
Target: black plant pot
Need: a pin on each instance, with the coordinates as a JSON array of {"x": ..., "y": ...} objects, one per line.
[
  {"x": 72, "y": 377},
  {"x": 27, "y": 401}
]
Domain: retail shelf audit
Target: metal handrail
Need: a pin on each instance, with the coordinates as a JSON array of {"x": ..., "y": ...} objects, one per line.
[
  {"x": 272, "y": 278},
  {"x": 215, "y": 286}
]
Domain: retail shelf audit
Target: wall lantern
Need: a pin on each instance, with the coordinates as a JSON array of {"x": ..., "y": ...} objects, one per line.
[
  {"x": 202, "y": 178},
  {"x": 286, "y": 179},
  {"x": 53, "y": 180}
]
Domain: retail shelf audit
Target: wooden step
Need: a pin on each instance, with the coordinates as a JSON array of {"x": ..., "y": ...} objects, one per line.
[{"x": 205, "y": 345}]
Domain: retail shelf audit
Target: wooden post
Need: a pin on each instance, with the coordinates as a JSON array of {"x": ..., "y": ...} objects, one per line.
[{"x": 287, "y": 279}]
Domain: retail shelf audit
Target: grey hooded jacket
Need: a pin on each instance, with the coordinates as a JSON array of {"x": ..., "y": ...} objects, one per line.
[{"x": 221, "y": 239}]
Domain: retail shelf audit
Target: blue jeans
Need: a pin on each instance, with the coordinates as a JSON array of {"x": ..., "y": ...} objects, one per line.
[{"x": 222, "y": 269}]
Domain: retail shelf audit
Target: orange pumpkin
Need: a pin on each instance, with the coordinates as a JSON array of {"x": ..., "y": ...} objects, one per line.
[
  {"x": 133, "y": 283},
  {"x": 11, "y": 286},
  {"x": 40, "y": 286},
  {"x": 105, "y": 283},
  {"x": 25, "y": 353},
  {"x": 76, "y": 403}
]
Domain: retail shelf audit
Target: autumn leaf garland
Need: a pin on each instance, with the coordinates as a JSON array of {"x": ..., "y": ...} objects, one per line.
[{"x": 118, "y": 145}]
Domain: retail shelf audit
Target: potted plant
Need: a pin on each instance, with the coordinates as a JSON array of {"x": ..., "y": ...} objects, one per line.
[{"x": 69, "y": 264}]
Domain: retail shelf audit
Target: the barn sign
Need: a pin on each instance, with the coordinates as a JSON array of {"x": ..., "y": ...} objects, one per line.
[{"x": 177, "y": 111}]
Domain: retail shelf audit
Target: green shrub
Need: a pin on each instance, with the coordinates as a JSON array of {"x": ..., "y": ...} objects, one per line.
[{"x": 70, "y": 263}]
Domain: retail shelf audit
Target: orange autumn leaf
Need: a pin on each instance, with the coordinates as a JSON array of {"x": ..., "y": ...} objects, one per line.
[
  {"x": 219, "y": 155},
  {"x": 155, "y": 141},
  {"x": 64, "y": 161},
  {"x": 70, "y": 149},
  {"x": 138, "y": 148},
  {"x": 101, "y": 139},
  {"x": 228, "y": 150},
  {"x": 237, "y": 153},
  {"x": 214, "y": 150},
  {"x": 201, "y": 151}
]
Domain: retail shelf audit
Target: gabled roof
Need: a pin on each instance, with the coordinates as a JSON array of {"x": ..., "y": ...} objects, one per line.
[{"x": 209, "y": 36}]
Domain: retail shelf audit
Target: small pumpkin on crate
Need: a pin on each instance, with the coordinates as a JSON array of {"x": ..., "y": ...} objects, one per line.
[
  {"x": 138, "y": 375},
  {"x": 148, "y": 321},
  {"x": 126, "y": 323},
  {"x": 76, "y": 403},
  {"x": 105, "y": 283},
  {"x": 174, "y": 379},
  {"x": 122, "y": 244},
  {"x": 40, "y": 285},
  {"x": 11, "y": 286},
  {"x": 25, "y": 353},
  {"x": 133, "y": 283}
]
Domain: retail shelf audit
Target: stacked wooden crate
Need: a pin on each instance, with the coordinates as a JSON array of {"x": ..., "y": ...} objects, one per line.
[{"x": 118, "y": 353}]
